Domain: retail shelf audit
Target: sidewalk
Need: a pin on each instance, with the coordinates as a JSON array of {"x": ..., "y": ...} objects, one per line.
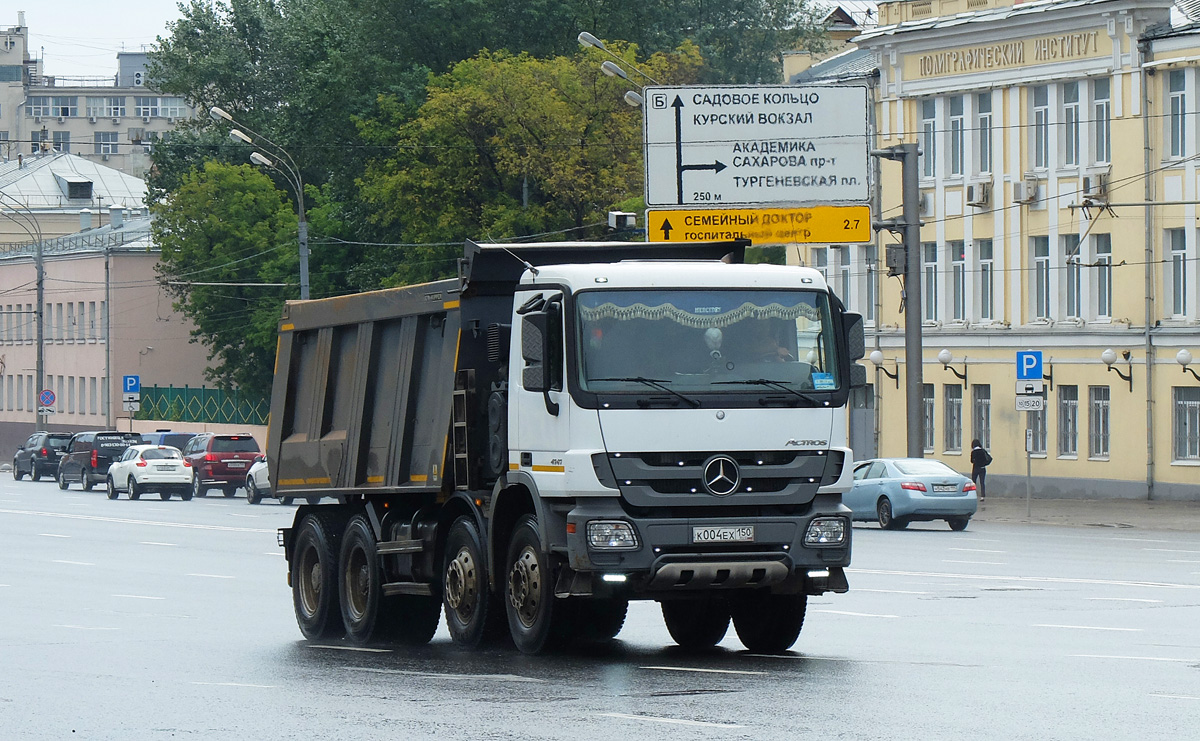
[{"x": 1106, "y": 513}]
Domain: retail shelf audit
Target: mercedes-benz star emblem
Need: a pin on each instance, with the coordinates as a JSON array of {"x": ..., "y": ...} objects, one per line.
[{"x": 721, "y": 476}]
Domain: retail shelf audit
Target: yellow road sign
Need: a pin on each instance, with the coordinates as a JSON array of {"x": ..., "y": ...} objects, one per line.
[{"x": 817, "y": 224}]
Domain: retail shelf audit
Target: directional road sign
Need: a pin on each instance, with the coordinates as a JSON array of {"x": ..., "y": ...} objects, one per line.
[
  {"x": 760, "y": 144},
  {"x": 47, "y": 398},
  {"x": 822, "y": 224},
  {"x": 131, "y": 385},
  {"x": 1029, "y": 365}
]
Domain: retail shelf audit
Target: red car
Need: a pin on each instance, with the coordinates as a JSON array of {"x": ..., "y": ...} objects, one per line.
[{"x": 219, "y": 461}]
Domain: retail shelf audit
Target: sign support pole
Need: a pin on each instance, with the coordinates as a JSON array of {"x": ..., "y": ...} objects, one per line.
[{"x": 1028, "y": 471}]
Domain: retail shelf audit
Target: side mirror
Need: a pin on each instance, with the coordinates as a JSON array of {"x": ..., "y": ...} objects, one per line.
[
  {"x": 858, "y": 376},
  {"x": 856, "y": 343},
  {"x": 535, "y": 376}
]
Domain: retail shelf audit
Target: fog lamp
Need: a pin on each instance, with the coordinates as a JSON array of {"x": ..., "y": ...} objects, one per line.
[
  {"x": 825, "y": 531},
  {"x": 611, "y": 535}
]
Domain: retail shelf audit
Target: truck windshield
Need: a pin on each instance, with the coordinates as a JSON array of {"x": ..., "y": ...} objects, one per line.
[{"x": 693, "y": 341}]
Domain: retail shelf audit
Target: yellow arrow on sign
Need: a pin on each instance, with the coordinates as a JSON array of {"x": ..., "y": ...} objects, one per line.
[{"x": 817, "y": 224}]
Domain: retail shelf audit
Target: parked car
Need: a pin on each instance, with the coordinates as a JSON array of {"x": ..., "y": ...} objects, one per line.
[
  {"x": 168, "y": 437},
  {"x": 258, "y": 484},
  {"x": 897, "y": 491},
  {"x": 219, "y": 461},
  {"x": 88, "y": 455},
  {"x": 150, "y": 468},
  {"x": 39, "y": 455}
]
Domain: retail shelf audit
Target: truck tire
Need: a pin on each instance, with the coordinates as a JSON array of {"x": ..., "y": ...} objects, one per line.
[
  {"x": 314, "y": 578},
  {"x": 769, "y": 623},
  {"x": 598, "y": 620},
  {"x": 536, "y": 620},
  {"x": 696, "y": 624},
  {"x": 472, "y": 615}
]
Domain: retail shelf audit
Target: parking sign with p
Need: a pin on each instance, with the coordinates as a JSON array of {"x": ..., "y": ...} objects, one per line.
[
  {"x": 1029, "y": 365},
  {"x": 131, "y": 385}
]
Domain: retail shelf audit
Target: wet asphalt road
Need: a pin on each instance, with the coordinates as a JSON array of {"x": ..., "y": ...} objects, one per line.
[{"x": 149, "y": 620}]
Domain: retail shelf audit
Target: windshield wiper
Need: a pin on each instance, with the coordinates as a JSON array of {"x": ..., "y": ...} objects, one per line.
[
  {"x": 656, "y": 383},
  {"x": 780, "y": 385}
]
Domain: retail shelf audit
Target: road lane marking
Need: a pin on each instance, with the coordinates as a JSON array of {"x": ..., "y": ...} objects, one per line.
[
  {"x": 1087, "y": 627},
  {"x": 976, "y": 550},
  {"x": 240, "y": 514},
  {"x": 856, "y": 614},
  {"x": 888, "y": 591},
  {"x": 1134, "y": 658},
  {"x": 438, "y": 675},
  {"x": 151, "y": 542},
  {"x": 237, "y": 684},
  {"x": 1011, "y": 589},
  {"x": 73, "y": 563},
  {"x": 1143, "y": 540},
  {"x": 281, "y": 555},
  {"x": 128, "y": 521},
  {"x": 214, "y": 576},
  {"x": 5, "y": 585},
  {"x": 675, "y": 721},
  {"x": 700, "y": 670},
  {"x": 84, "y": 627},
  {"x": 803, "y": 657},
  {"x": 1169, "y": 550},
  {"x": 1174, "y": 697},
  {"x": 52, "y": 535},
  {"x": 137, "y": 596},
  {"x": 1126, "y": 599},
  {"x": 981, "y": 563},
  {"x": 1180, "y": 560},
  {"x": 1035, "y": 579},
  {"x": 352, "y": 648}
]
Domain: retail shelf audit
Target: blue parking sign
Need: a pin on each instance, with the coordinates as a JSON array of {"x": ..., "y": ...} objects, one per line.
[
  {"x": 1029, "y": 365},
  {"x": 133, "y": 384}
]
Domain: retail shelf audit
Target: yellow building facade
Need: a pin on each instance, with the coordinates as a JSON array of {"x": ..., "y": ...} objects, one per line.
[{"x": 1059, "y": 189}]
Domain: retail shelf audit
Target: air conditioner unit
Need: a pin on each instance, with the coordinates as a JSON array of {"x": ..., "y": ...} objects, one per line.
[
  {"x": 926, "y": 204},
  {"x": 1095, "y": 186},
  {"x": 62, "y": 119},
  {"x": 1026, "y": 191},
  {"x": 91, "y": 119},
  {"x": 978, "y": 194},
  {"x": 145, "y": 119},
  {"x": 116, "y": 120},
  {"x": 104, "y": 157},
  {"x": 37, "y": 119},
  {"x": 170, "y": 119}
]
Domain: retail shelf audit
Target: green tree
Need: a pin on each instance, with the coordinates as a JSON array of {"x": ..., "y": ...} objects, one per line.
[{"x": 229, "y": 225}]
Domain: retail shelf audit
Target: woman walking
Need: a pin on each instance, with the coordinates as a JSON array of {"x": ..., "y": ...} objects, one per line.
[{"x": 980, "y": 460}]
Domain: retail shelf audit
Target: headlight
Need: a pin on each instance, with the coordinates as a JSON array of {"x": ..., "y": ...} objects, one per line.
[
  {"x": 611, "y": 535},
  {"x": 826, "y": 531}
]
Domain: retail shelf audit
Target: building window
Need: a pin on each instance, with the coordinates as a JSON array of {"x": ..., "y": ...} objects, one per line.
[
  {"x": 92, "y": 394},
  {"x": 981, "y": 414},
  {"x": 62, "y": 141},
  {"x": 1068, "y": 421},
  {"x": 870, "y": 263},
  {"x": 930, "y": 282},
  {"x": 106, "y": 142},
  {"x": 1071, "y": 123},
  {"x": 91, "y": 320},
  {"x": 1103, "y": 245},
  {"x": 36, "y": 138},
  {"x": 1177, "y": 134},
  {"x": 928, "y": 137},
  {"x": 38, "y": 105},
  {"x": 987, "y": 308},
  {"x": 984, "y": 123},
  {"x": 927, "y": 414},
  {"x": 820, "y": 262},
  {"x": 171, "y": 107},
  {"x": 1041, "y": 277},
  {"x": 145, "y": 107},
  {"x": 843, "y": 258},
  {"x": 64, "y": 105},
  {"x": 1177, "y": 242},
  {"x": 1041, "y": 126},
  {"x": 958, "y": 278},
  {"x": 956, "y": 135},
  {"x": 952, "y": 392},
  {"x": 1098, "y": 422},
  {"x": 1037, "y": 423},
  {"x": 1187, "y": 423},
  {"x": 1070, "y": 246},
  {"x": 1101, "y": 115},
  {"x": 106, "y": 107}
]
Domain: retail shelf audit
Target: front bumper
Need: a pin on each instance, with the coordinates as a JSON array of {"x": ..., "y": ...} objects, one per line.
[{"x": 666, "y": 561}]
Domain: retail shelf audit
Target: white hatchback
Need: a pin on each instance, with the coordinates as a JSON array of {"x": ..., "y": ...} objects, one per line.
[{"x": 151, "y": 468}]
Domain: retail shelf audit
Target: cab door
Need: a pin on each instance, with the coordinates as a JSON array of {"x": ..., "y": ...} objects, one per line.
[{"x": 540, "y": 418}]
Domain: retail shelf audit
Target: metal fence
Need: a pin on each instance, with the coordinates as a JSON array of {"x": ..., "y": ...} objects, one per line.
[{"x": 207, "y": 405}]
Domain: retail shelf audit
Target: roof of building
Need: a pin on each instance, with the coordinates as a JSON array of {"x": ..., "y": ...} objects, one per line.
[
  {"x": 851, "y": 64},
  {"x": 59, "y": 181},
  {"x": 133, "y": 235},
  {"x": 860, "y": 13}
]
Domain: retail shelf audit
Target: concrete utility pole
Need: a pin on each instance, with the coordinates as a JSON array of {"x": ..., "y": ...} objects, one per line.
[{"x": 909, "y": 227}]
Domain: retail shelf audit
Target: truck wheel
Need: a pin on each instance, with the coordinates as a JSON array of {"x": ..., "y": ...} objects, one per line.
[
  {"x": 110, "y": 488},
  {"x": 472, "y": 616},
  {"x": 86, "y": 481},
  {"x": 599, "y": 620},
  {"x": 535, "y": 619},
  {"x": 769, "y": 623},
  {"x": 16, "y": 471},
  {"x": 368, "y": 614},
  {"x": 314, "y": 578},
  {"x": 62, "y": 480},
  {"x": 253, "y": 495},
  {"x": 696, "y": 624}
]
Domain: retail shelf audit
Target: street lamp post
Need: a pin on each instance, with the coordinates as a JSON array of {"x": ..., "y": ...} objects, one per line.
[
  {"x": 34, "y": 230},
  {"x": 285, "y": 166}
]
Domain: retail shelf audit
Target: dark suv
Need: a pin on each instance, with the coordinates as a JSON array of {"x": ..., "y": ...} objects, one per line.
[
  {"x": 89, "y": 454},
  {"x": 39, "y": 455},
  {"x": 219, "y": 461}
]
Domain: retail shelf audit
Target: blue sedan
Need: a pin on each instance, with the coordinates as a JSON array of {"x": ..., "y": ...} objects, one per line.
[{"x": 897, "y": 491}]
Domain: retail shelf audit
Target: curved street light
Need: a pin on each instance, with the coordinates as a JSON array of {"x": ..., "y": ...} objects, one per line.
[
  {"x": 588, "y": 40},
  {"x": 285, "y": 166}
]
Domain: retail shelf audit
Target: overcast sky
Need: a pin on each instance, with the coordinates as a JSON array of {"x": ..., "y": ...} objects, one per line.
[{"x": 81, "y": 38}]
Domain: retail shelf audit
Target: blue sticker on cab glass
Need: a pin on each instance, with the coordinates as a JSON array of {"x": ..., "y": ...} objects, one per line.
[{"x": 823, "y": 381}]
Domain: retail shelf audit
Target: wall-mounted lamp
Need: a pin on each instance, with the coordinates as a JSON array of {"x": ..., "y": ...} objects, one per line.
[
  {"x": 877, "y": 359},
  {"x": 945, "y": 357},
  {"x": 1184, "y": 358},
  {"x": 1108, "y": 357}
]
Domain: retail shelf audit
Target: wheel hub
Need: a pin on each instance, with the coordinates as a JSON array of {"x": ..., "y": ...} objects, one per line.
[
  {"x": 524, "y": 586},
  {"x": 310, "y": 582},
  {"x": 461, "y": 584}
]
